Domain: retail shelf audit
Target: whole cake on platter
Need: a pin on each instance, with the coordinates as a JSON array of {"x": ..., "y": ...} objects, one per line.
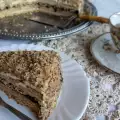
[
  {"x": 22, "y": 6},
  {"x": 32, "y": 78}
]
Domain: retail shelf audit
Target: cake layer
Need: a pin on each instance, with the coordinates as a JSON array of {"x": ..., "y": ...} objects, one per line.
[
  {"x": 20, "y": 99},
  {"x": 19, "y": 87},
  {"x": 14, "y": 3},
  {"x": 62, "y": 3},
  {"x": 36, "y": 74},
  {"x": 36, "y": 4}
]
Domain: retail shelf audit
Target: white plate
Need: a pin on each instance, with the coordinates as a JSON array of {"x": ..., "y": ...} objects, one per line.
[
  {"x": 74, "y": 95},
  {"x": 108, "y": 59}
]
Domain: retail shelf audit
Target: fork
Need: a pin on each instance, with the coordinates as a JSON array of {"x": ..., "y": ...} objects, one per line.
[{"x": 13, "y": 110}]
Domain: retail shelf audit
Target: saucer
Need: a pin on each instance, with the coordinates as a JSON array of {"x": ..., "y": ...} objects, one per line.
[{"x": 107, "y": 58}]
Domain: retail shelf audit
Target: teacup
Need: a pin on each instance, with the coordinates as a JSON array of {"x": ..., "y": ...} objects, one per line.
[{"x": 115, "y": 29}]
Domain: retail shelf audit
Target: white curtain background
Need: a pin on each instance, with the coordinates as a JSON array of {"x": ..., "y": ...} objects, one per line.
[{"x": 106, "y": 7}]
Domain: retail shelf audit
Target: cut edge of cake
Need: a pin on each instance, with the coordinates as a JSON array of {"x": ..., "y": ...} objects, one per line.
[
  {"x": 10, "y": 7},
  {"x": 19, "y": 98}
]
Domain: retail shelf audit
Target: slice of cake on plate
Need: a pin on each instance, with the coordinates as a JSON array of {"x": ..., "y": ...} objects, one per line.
[{"x": 32, "y": 78}]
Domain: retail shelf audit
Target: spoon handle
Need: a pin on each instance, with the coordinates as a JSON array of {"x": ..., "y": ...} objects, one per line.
[
  {"x": 17, "y": 113},
  {"x": 14, "y": 111},
  {"x": 94, "y": 18}
]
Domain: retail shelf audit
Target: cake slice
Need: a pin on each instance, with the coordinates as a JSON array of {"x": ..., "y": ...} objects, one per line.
[
  {"x": 23, "y": 6},
  {"x": 34, "y": 75}
]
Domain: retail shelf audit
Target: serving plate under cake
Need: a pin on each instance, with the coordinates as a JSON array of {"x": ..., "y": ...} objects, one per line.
[
  {"x": 75, "y": 91},
  {"x": 20, "y": 28}
]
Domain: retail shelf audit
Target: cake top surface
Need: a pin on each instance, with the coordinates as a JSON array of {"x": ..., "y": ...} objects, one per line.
[{"x": 32, "y": 68}]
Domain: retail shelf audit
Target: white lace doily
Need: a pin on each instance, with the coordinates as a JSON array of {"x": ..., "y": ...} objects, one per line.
[{"x": 105, "y": 86}]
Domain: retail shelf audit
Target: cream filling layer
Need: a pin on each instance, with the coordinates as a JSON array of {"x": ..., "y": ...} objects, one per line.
[{"x": 20, "y": 86}]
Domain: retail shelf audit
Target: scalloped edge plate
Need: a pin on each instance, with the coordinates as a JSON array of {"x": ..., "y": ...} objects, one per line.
[{"x": 75, "y": 91}]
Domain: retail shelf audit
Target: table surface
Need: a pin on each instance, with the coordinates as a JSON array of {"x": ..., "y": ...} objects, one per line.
[{"x": 80, "y": 51}]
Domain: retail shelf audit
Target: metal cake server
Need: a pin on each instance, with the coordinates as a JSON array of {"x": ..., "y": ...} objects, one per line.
[
  {"x": 52, "y": 23},
  {"x": 13, "y": 110}
]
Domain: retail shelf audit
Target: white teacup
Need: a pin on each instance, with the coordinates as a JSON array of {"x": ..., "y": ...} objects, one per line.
[{"x": 115, "y": 29}]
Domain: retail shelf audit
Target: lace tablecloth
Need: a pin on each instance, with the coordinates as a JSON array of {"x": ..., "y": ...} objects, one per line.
[{"x": 105, "y": 85}]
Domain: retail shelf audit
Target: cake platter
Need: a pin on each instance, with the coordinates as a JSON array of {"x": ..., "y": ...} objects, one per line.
[
  {"x": 35, "y": 31},
  {"x": 75, "y": 91}
]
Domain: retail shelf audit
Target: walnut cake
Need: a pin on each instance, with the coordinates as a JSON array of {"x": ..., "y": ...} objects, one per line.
[
  {"x": 9, "y": 7},
  {"x": 32, "y": 78}
]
